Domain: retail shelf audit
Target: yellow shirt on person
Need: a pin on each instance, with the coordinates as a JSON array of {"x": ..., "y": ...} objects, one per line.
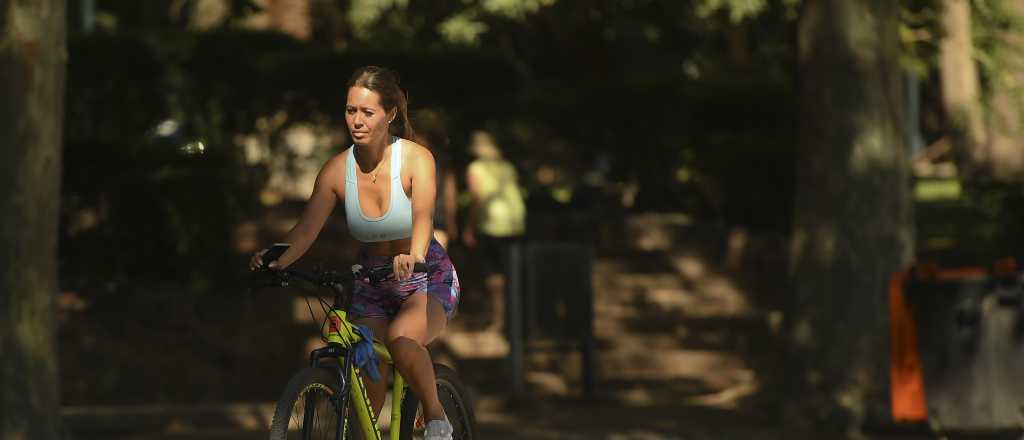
[{"x": 502, "y": 210}]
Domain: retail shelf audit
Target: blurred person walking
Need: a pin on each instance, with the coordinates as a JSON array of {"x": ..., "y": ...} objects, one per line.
[{"x": 496, "y": 218}]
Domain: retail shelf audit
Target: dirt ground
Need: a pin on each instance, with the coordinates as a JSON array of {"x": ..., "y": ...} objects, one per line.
[{"x": 684, "y": 325}]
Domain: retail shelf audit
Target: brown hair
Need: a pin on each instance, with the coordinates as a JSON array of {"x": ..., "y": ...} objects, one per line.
[{"x": 384, "y": 81}]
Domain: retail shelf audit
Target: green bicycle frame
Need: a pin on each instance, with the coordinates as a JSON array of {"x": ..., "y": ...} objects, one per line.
[{"x": 342, "y": 333}]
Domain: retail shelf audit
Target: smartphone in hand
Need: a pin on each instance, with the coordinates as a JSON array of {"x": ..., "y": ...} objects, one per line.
[{"x": 274, "y": 253}]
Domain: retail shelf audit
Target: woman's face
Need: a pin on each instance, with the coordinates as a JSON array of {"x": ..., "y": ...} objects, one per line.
[{"x": 367, "y": 121}]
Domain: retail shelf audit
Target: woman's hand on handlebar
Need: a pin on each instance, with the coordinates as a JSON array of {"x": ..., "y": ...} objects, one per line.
[
  {"x": 256, "y": 262},
  {"x": 404, "y": 265}
]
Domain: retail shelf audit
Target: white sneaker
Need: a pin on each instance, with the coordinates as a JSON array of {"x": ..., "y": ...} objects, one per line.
[{"x": 438, "y": 430}]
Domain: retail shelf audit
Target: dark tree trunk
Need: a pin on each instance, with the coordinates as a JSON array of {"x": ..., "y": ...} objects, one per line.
[
  {"x": 852, "y": 213},
  {"x": 32, "y": 60}
]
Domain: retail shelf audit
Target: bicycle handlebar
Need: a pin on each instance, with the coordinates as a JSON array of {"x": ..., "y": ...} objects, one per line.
[{"x": 330, "y": 278}]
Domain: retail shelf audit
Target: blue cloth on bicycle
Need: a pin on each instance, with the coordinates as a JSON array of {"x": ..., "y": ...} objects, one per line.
[{"x": 363, "y": 354}]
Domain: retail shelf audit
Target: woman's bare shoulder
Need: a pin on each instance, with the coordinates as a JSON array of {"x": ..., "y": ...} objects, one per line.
[
  {"x": 338, "y": 160},
  {"x": 334, "y": 168},
  {"x": 417, "y": 152}
]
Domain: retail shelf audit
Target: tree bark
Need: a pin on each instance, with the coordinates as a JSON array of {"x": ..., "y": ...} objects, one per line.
[
  {"x": 32, "y": 62},
  {"x": 1006, "y": 104},
  {"x": 960, "y": 88},
  {"x": 852, "y": 212}
]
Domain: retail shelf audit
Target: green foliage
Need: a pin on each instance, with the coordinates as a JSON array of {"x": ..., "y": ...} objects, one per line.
[
  {"x": 980, "y": 224},
  {"x": 514, "y": 9},
  {"x": 456, "y": 22},
  {"x": 997, "y": 31},
  {"x": 364, "y": 15},
  {"x": 463, "y": 28},
  {"x": 998, "y": 37},
  {"x": 920, "y": 32},
  {"x": 738, "y": 9}
]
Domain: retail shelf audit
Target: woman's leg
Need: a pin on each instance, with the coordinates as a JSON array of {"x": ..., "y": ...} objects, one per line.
[
  {"x": 419, "y": 321},
  {"x": 376, "y": 390}
]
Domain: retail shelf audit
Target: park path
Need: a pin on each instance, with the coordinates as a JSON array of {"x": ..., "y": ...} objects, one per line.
[{"x": 684, "y": 343}]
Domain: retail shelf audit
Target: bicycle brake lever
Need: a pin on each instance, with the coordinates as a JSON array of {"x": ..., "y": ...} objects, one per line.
[{"x": 379, "y": 274}]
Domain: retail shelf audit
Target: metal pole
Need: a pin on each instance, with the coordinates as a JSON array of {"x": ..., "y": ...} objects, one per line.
[
  {"x": 88, "y": 16},
  {"x": 514, "y": 314},
  {"x": 587, "y": 343},
  {"x": 914, "y": 140}
]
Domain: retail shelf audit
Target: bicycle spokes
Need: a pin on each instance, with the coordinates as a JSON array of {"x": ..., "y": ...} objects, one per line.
[{"x": 315, "y": 415}]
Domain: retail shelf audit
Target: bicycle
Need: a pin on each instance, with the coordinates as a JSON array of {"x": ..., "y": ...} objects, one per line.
[{"x": 317, "y": 401}]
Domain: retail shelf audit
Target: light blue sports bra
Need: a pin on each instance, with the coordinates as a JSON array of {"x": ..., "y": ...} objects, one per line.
[{"x": 396, "y": 223}]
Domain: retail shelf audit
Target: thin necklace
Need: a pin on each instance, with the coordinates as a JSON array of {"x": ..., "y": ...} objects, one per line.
[{"x": 373, "y": 173}]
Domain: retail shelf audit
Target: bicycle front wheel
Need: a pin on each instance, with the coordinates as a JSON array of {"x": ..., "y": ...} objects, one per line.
[
  {"x": 309, "y": 407},
  {"x": 455, "y": 401}
]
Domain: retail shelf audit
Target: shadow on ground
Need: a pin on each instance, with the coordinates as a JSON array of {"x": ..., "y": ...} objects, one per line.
[{"x": 685, "y": 323}]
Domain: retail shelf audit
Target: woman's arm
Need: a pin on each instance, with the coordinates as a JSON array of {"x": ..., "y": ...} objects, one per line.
[
  {"x": 326, "y": 191},
  {"x": 424, "y": 196}
]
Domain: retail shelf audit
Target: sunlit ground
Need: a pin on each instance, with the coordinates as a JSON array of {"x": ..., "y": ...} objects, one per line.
[{"x": 679, "y": 344}]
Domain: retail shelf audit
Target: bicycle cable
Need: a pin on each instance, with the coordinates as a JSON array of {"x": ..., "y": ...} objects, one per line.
[{"x": 324, "y": 306}]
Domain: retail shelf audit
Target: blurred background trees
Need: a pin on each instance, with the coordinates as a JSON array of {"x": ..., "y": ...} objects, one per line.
[{"x": 185, "y": 117}]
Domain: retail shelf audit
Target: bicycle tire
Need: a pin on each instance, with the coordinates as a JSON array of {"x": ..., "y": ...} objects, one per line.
[
  {"x": 316, "y": 385},
  {"x": 454, "y": 399}
]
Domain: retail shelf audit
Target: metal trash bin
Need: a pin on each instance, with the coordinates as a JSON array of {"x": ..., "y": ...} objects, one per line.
[
  {"x": 970, "y": 328},
  {"x": 559, "y": 299}
]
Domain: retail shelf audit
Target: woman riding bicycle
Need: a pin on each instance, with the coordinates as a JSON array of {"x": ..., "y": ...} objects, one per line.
[{"x": 387, "y": 183}]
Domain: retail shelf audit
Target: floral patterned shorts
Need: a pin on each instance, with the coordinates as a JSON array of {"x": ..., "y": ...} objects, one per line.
[{"x": 384, "y": 299}]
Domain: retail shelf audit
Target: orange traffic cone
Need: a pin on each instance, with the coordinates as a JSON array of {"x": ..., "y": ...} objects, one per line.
[{"x": 906, "y": 374}]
